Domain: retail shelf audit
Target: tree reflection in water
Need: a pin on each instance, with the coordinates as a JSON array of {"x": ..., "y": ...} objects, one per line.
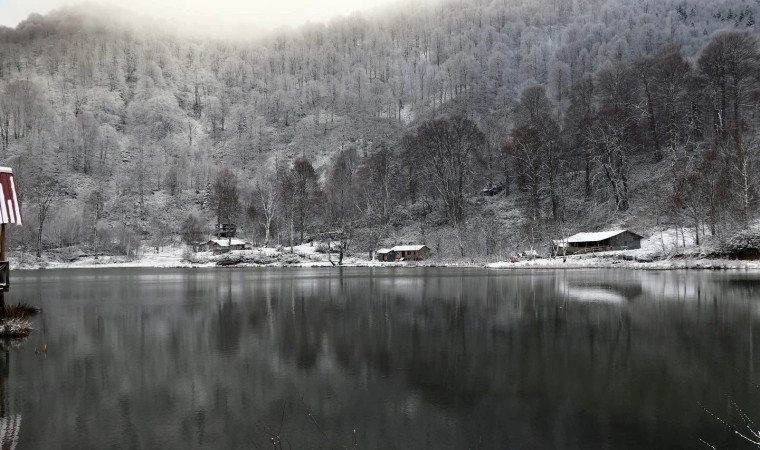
[{"x": 427, "y": 358}]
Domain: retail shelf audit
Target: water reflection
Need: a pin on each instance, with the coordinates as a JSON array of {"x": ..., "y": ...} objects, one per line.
[
  {"x": 601, "y": 290},
  {"x": 384, "y": 358},
  {"x": 10, "y": 422}
]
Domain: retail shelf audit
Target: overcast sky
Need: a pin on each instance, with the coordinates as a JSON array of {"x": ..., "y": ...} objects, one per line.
[{"x": 265, "y": 14}]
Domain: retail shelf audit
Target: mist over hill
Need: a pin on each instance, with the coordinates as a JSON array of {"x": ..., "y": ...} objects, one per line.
[{"x": 576, "y": 115}]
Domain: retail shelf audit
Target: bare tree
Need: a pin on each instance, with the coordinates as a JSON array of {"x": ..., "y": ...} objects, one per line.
[
  {"x": 525, "y": 148},
  {"x": 267, "y": 193},
  {"x": 375, "y": 190},
  {"x": 535, "y": 147},
  {"x": 445, "y": 148},
  {"x": 305, "y": 192},
  {"x": 44, "y": 194},
  {"x": 226, "y": 196},
  {"x": 730, "y": 63},
  {"x": 611, "y": 146},
  {"x": 192, "y": 229},
  {"x": 341, "y": 200}
]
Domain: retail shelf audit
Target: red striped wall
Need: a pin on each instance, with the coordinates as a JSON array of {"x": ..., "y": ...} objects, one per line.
[{"x": 10, "y": 209}]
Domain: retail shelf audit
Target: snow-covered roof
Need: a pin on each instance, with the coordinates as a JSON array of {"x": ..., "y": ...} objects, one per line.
[
  {"x": 595, "y": 237},
  {"x": 227, "y": 242},
  {"x": 408, "y": 248},
  {"x": 384, "y": 251}
]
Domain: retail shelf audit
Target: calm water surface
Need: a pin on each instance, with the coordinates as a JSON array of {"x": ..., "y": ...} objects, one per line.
[{"x": 384, "y": 359}]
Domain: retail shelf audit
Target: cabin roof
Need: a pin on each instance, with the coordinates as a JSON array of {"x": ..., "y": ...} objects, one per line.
[
  {"x": 408, "y": 248},
  {"x": 384, "y": 251},
  {"x": 10, "y": 209},
  {"x": 596, "y": 236}
]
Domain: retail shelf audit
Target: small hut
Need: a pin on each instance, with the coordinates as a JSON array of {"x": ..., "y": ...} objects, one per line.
[
  {"x": 218, "y": 246},
  {"x": 386, "y": 255},
  {"x": 601, "y": 241},
  {"x": 411, "y": 252}
]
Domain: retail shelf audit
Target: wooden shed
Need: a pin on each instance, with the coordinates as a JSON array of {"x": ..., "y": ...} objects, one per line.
[
  {"x": 222, "y": 245},
  {"x": 411, "y": 252},
  {"x": 386, "y": 255},
  {"x": 601, "y": 241}
]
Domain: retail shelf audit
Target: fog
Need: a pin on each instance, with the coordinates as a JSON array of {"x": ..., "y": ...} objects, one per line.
[{"x": 213, "y": 16}]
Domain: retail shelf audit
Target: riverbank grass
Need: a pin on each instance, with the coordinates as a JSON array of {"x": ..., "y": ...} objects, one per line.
[{"x": 14, "y": 322}]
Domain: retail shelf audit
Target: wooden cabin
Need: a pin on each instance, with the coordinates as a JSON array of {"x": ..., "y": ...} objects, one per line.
[
  {"x": 601, "y": 241},
  {"x": 410, "y": 252},
  {"x": 218, "y": 246},
  {"x": 385, "y": 255}
]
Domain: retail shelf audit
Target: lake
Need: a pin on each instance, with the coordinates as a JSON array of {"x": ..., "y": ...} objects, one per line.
[{"x": 384, "y": 358}]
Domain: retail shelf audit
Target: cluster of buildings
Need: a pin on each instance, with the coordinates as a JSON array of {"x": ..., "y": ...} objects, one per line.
[{"x": 580, "y": 243}]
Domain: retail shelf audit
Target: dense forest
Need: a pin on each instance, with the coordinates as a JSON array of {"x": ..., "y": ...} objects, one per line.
[{"x": 479, "y": 127}]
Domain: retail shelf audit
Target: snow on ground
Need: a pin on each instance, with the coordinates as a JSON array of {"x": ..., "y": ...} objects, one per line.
[
  {"x": 661, "y": 250},
  {"x": 669, "y": 241},
  {"x": 600, "y": 261},
  {"x": 306, "y": 255},
  {"x": 168, "y": 257}
]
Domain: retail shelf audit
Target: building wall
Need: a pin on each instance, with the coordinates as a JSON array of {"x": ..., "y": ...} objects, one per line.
[
  {"x": 217, "y": 249},
  {"x": 626, "y": 241},
  {"x": 386, "y": 257},
  {"x": 412, "y": 255}
]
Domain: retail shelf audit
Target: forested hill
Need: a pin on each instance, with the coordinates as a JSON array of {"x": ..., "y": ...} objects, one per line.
[{"x": 121, "y": 131}]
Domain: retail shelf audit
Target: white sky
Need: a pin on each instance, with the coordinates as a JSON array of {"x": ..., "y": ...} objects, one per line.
[{"x": 236, "y": 14}]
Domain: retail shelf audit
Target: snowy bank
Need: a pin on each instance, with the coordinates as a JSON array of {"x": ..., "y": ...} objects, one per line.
[
  {"x": 602, "y": 261},
  {"x": 663, "y": 250},
  {"x": 180, "y": 257}
]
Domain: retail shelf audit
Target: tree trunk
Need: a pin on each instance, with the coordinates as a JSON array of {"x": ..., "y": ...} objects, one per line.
[{"x": 39, "y": 241}]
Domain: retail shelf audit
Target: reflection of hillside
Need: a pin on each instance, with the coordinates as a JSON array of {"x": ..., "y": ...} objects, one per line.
[
  {"x": 440, "y": 359},
  {"x": 745, "y": 287},
  {"x": 454, "y": 352}
]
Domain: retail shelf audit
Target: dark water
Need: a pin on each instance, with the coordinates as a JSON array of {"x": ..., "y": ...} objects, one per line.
[{"x": 385, "y": 359}]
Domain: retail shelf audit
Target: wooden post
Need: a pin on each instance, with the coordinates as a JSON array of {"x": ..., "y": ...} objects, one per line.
[
  {"x": 3, "y": 259},
  {"x": 2, "y": 242}
]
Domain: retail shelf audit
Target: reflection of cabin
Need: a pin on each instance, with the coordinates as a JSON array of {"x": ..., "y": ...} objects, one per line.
[
  {"x": 591, "y": 290},
  {"x": 222, "y": 245},
  {"x": 386, "y": 254},
  {"x": 404, "y": 252},
  {"x": 601, "y": 241},
  {"x": 225, "y": 230}
]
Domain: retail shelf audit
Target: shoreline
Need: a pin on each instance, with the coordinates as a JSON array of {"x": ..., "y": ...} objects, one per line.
[
  {"x": 585, "y": 262},
  {"x": 652, "y": 256}
]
